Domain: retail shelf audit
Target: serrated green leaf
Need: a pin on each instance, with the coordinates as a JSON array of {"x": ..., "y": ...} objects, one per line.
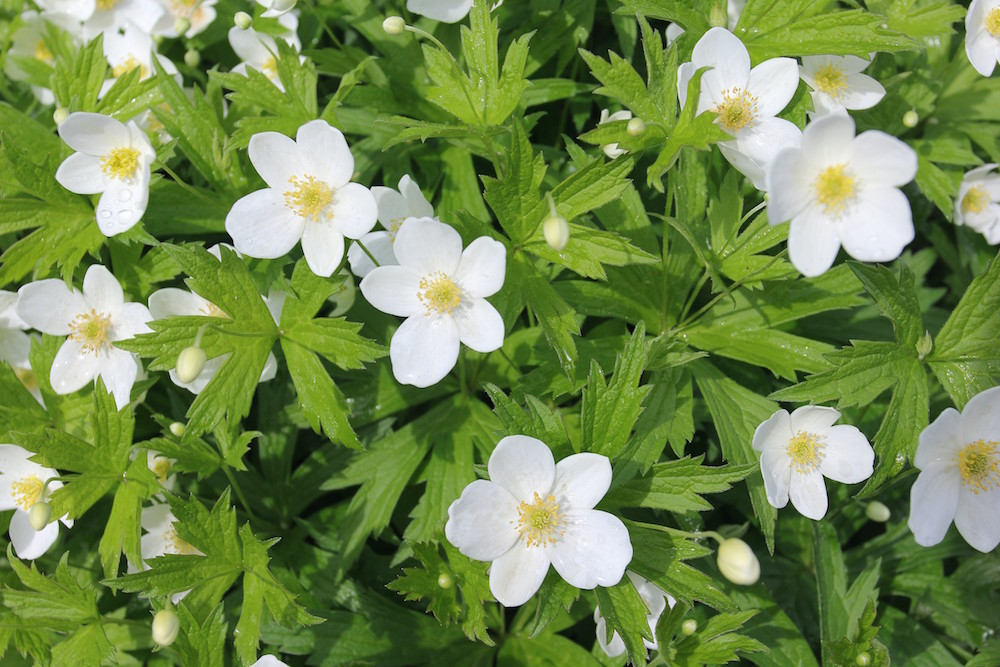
[
  {"x": 608, "y": 413},
  {"x": 678, "y": 485},
  {"x": 625, "y": 613},
  {"x": 895, "y": 296}
]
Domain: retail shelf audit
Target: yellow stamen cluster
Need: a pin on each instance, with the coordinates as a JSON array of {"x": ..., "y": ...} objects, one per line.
[
  {"x": 128, "y": 65},
  {"x": 121, "y": 162},
  {"x": 270, "y": 68},
  {"x": 91, "y": 331},
  {"x": 27, "y": 491},
  {"x": 212, "y": 310},
  {"x": 27, "y": 378},
  {"x": 43, "y": 53},
  {"x": 540, "y": 522},
  {"x": 737, "y": 110},
  {"x": 975, "y": 200},
  {"x": 176, "y": 545},
  {"x": 439, "y": 294},
  {"x": 107, "y": 4},
  {"x": 831, "y": 80},
  {"x": 979, "y": 465},
  {"x": 835, "y": 189},
  {"x": 309, "y": 197},
  {"x": 806, "y": 451},
  {"x": 993, "y": 22},
  {"x": 161, "y": 468}
]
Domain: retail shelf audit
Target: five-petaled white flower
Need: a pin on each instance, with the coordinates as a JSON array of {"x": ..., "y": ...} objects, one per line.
[
  {"x": 161, "y": 539},
  {"x": 746, "y": 100},
  {"x": 394, "y": 206},
  {"x": 656, "y": 602},
  {"x": 799, "y": 450},
  {"x": 21, "y": 483},
  {"x": 93, "y": 321},
  {"x": 112, "y": 158},
  {"x": 838, "y": 189},
  {"x": 441, "y": 290},
  {"x": 838, "y": 84},
  {"x": 978, "y": 202},
  {"x": 959, "y": 460},
  {"x": 982, "y": 35},
  {"x": 259, "y": 51},
  {"x": 310, "y": 197},
  {"x": 533, "y": 512}
]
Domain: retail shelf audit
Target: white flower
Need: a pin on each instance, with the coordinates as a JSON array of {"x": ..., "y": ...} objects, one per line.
[
  {"x": 656, "y": 603},
  {"x": 978, "y": 202},
  {"x": 959, "y": 460},
  {"x": 76, "y": 10},
  {"x": 198, "y": 13},
  {"x": 798, "y": 450},
  {"x": 838, "y": 83},
  {"x": 446, "y": 11},
  {"x": 161, "y": 539},
  {"x": 161, "y": 466},
  {"x": 14, "y": 343},
  {"x": 112, "y": 17},
  {"x": 746, "y": 100},
  {"x": 269, "y": 661},
  {"x": 612, "y": 150},
  {"x": 21, "y": 483},
  {"x": 258, "y": 51},
  {"x": 440, "y": 290},
  {"x": 534, "y": 512},
  {"x": 28, "y": 43},
  {"x": 133, "y": 49},
  {"x": 111, "y": 158},
  {"x": 93, "y": 321},
  {"x": 394, "y": 206},
  {"x": 982, "y": 35},
  {"x": 310, "y": 197},
  {"x": 838, "y": 189},
  {"x": 273, "y": 8}
]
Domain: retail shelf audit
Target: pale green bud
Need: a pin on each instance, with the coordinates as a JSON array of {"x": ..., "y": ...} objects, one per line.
[
  {"x": 877, "y": 512},
  {"x": 177, "y": 428},
  {"x": 925, "y": 345},
  {"x": 39, "y": 515},
  {"x": 444, "y": 580},
  {"x": 635, "y": 127},
  {"x": 737, "y": 562},
  {"x": 863, "y": 660},
  {"x": 242, "y": 20},
  {"x": 190, "y": 363},
  {"x": 166, "y": 625},
  {"x": 555, "y": 229},
  {"x": 192, "y": 58},
  {"x": 60, "y": 114},
  {"x": 394, "y": 25},
  {"x": 181, "y": 26},
  {"x": 910, "y": 118},
  {"x": 689, "y": 627}
]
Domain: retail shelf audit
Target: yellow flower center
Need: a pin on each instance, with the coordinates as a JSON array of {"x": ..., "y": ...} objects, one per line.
[
  {"x": 27, "y": 378},
  {"x": 806, "y": 450},
  {"x": 979, "y": 465},
  {"x": 540, "y": 522},
  {"x": 27, "y": 491},
  {"x": 309, "y": 198},
  {"x": 120, "y": 163},
  {"x": 835, "y": 189},
  {"x": 975, "y": 200},
  {"x": 993, "y": 22},
  {"x": 128, "y": 65},
  {"x": 212, "y": 310},
  {"x": 91, "y": 330},
  {"x": 831, "y": 80},
  {"x": 176, "y": 545},
  {"x": 439, "y": 294},
  {"x": 107, "y": 4},
  {"x": 737, "y": 110},
  {"x": 270, "y": 68},
  {"x": 43, "y": 53},
  {"x": 161, "y": 468}
]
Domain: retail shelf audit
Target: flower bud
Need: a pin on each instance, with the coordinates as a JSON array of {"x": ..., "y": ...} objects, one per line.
[
  {"x": 635, "y": 127},
  {"x": 192, "y": 58},
  {"x": 177, "y": 428},
  {"x": 555, "y": 229},
  {"x": 242, "y": 20},
  {"x": 181, "y": 26},
  {"x": 718, "y": 16},
  {"x": 394, "y": 25},
  {"x": 689, "y": 627},
  {"x": 166, "y": 625},
  {"x": 877, "y": 512},
  {"x": 925, "y": 345},
  {"x": 737, "y": 562},
  {"x": 863, "y": 660},
  {"x": 60, "y": 114},
  {"x": 190, "y": 363},
  {"x": 910, "y": 118},
  {"x": 39, "y": 515},
  {"x": 444, "y": 580}
]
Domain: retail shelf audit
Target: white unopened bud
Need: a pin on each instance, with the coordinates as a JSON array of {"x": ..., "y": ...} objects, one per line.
[
  {"x": 394, "y": 25},
  {"x": 635, "y": 127},
  {"x": 178, "y": 429},
  {"x": 192, "y": 57},
  {"x": 877, "y": 512},
  {"x": 181, "y": 26},
  {"x": 166, "y": 625},
  {"x": 242, "y": 20},
  {"x": 910, "y": 118},
  {"x": 689, "y": 627},
  {"x": 39, "y": 515},
  {"x": 555, "y": 229},
  {"x": 737, "y": 562},
  {"x": 60, "y": 114},
  {"x": 190, "y": 363}
]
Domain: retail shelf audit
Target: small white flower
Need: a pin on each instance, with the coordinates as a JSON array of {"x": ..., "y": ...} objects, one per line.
[
  {"x": 799, "y": 450},
  {"x": 92, "y": 321},
  {"x": 838, "y": 189},
  {"x": 161, "y": 466},
  {"x": 198, "y": 13},
  {"x": 394, "y": 206},
  {"x": 77, "y": 10},
  {"x": 982, "y": 35},
  {"x": 534, "y": 512},
  {"x": 112, "y": 17},
  {"x": 959, "y": 460},
  {"x": 133, "y": 49},
  {"x": 28, "y": 43},
  {"x": 111, "y": 158},
  {"x": 440, "y": 290},
  {"x": 838, "y": 83},
  {"x": 656, "y": 603},
  {"x": 612, "y": 150},
  {"x": 310, "y": 197},
  {"x": 746, "y": 100},
  {"x": 446, "y": 11},
  {"x": 14, "y": 343},
  {"x": 978, "y": 202},
  {"x": 21, "y": 483},
  {"x": 161, "y": 539},
  {"x": 258, "y": 50}
]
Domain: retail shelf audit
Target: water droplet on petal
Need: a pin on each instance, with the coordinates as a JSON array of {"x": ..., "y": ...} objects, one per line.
[
  {"x": 105, "y": 213},
  {"x": 125, "y": 215},
  {"x": 124, "y": 195}
]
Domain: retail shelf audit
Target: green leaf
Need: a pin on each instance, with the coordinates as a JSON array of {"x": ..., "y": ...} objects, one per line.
[
  {"x": 201, "y": 642},
  {"x": 895, "y": 297},
  {"x": 78, "y": 76},
  {"x": 324, "y": 405},
  {"x": 678, "y": 486},
  {"x": 556, "y": 317},
  {"x": 514, "y": 197},
  {"x": 683, "y": 12},
  {"x": 123, "y": 531},
  {"x": 59, "y": 602},
  {"x": 625, "y": 613},
  {"x": 860, "y": 374},
  {"x": 716, "y": 642}
]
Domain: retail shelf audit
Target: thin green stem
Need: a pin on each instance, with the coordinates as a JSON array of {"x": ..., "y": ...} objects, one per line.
[
  {"x": 180, "y": 182},
  {"x": 322, "y": 24},
  {"x": 239, "y": 491},
  {"x": 367, "y": 252}
]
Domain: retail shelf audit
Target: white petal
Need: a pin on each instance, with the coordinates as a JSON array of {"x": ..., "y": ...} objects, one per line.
[
  {"x": 123, "y": 203},
  {"x": 684, "y": 74},
  {"x": 813, "y": 419},
  {"x": 773, "y": 82},
  {"x": 427, "y": 246},
  {"x": 878, "y": 226},
  {"x": 773, "y": 433},
  {"x": 29, "y": 543},
  {"x": 379, "y": 244},
  {"x": 808, "y": 494},
  {"x": 518, "y": 574},
  {"x": 131, "y": 320},
  {"x": 15, "y": 346},
  {"x": 828, "y": 141},
  {"x": 594, "y": 551},
  {"x": 423, "y": 350},
  {"x": 418, "y": 206},
  {"x": 276, "y": 159},
  {"x": 941, "y": 441},
  {"x": 72, "y": 368},
  {"x": 155, "y": 519},
  {"x": 863, "y": 92},
  {"x": 49, "y": 306},
  {"x": 881, "y": 160},
  {"x": 446, "y": 11},
  {"x": 978, "y": 518},
  {"x": 82, "y": 174},
  {"x": 482, "y": 523},
  {"x": 788, "y": 187},
  {"x": 118, "y": 370},
  {"x": 323, "y": 247},
  {"x": 482, "y": 268},
  {"x": 393, "y": 290},
  {"x": 392, "y": 206},
  {"x": 171, "y": 302},
  {"x": 269, "y": 371},
  {"x": 353, "y": 211},
  {"x": 101, "y": 290},
  {"x": 723, "y": 51},
  {"x": 324, "y": 153},
  {"x": 933, "y": 502},
  {"x": 768, "y": 136},
  {"x": 813, "y": 242},
  {"x": 982, "y": 52},
  {"x": 981, "y": 417},
  {"x": 616, "y": 646},
  {"x": 93, "y": 133},
  {"x": 744, "y": 164},
  {"x": 848, "y": 457},
  {"x": 197, "y": 385},
  {"x": 263, "y": 226},
  {"x": 776, "y": 469},
  {"x": 479, "y": 325},
  {"x": 582, "y": 480},
  {"x": 524, "y": 466}
]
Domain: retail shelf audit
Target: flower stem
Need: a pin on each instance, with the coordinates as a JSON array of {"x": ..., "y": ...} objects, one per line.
[{"x": 367, "y": 252}]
